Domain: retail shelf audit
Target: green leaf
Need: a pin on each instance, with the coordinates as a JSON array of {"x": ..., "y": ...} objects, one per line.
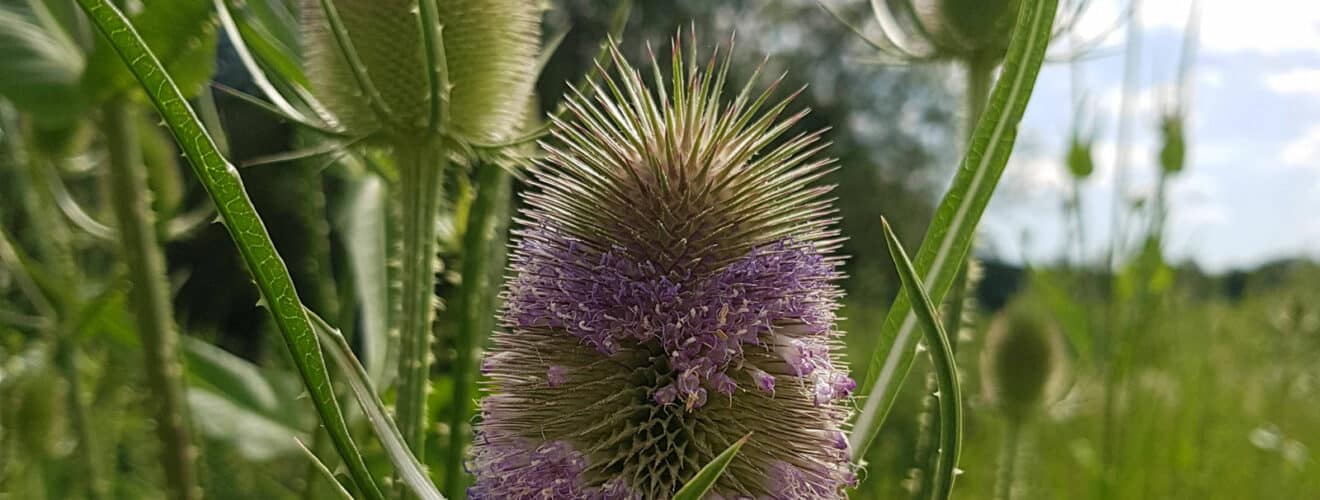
[
  {"x": 411, "y": 472},
  {"x": 245, "y": 384},
  {"x": 946, "y": 369},
  {"x": 945, "y": 246},
  {"x": 697, "y": 487},
  {"x": 183, "y": 37},
  {"x": 225, "y": 188},
  {"x": 40, "y": 66},
  {"x": 322, "y": 469},
  {"x": 360, "y": 221},
  {"x": 254, "y": 435},
  {"x": 271, "y": 35}
]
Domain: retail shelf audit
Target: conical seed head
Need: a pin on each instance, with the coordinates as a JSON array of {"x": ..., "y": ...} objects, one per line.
[
  {"x": 386, "y": 34},
  {"x": 969, "y": 28},
  {"x": 673, "y": 291},
  {"x": 490, "y": 49},
  {"x": 1022, "y": 364}
]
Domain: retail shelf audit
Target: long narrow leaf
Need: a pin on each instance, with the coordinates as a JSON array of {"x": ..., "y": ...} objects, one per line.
[
  {"x": 325, "y": 472},
  {"x": 700, "y": 484},
  {"x": 950, "y": 235},
  {"x": 225, "y": 188},
  {"x": 250, "y": 64},
  {"x": 412, "y": 472},
  {"x": 946, "y": 370}
]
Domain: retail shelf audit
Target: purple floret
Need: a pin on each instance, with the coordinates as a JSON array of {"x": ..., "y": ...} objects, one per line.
[
  {"x": 778, "y": 296},
  {"x": 520, "y": 470}
]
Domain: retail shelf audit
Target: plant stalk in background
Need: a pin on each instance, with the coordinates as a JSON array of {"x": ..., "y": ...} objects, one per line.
[
  {"x": 150, "y": 299},
  {"x": 483, "y": 257}
]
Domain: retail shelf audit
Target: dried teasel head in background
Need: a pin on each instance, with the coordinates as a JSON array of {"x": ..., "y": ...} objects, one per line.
[
  {"x": 1023, "y": 363},
  {"x": 673, "y": 291}
]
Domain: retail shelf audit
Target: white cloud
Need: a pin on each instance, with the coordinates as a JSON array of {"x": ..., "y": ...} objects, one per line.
[
  {"x": 1036, "y": 175},
  {"x": 1304, "y": 151},
  {"x": 1266, "y": 26},
  {"x": 1295, "y": 81}
]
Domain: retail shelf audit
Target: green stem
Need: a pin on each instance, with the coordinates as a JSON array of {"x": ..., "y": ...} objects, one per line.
[
  {"x": 1079, "y": 225},
  {"x": 980, "y": 76},
  {"x": 1008, "y": 455},
  {"x": 421, "y": 170},
  {"x": 150, "y": 299},
  {"x": 483, "y": 256},
  {"x": 1113, "y": 318},
  {"x": 58, "y": 250},
  {"x": 66, "y": 356}
]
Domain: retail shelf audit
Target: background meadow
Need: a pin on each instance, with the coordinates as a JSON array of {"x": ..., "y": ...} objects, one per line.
[{"x": 1153, "y": 221}]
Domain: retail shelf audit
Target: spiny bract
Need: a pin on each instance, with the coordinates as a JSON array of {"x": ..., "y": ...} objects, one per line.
[{"x": 673, "y": 291}]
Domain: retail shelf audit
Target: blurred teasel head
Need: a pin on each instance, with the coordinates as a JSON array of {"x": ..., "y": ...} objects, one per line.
[
  {"x": 1173, "y": 153},
  {"x": 673, "y": 291},
  {"x": 1022, "y": 364},
  {"x": 488, "y": 48},
  {"x": 970, "y": 28},
  {"x": 1080, "y": 162},
  {"x": 964, "y": 30}
]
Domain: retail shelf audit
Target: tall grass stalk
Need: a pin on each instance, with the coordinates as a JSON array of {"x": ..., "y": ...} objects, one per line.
[
  {"x": 150, "y": 299},
  {"x": 1112, "y": 338}
]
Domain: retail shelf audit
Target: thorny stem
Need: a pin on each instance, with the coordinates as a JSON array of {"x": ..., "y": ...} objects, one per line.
[
  {"x": 483, "y": 253},
  {"x": 421, "y": 171},
  {"x": 150, "y": 299}
]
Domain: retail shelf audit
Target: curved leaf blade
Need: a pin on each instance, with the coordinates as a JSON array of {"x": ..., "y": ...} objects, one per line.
[
  {"x": 411, "y": 472},
  {"x": 225, "y": 188},
  {"x": 946, "y": 369},
  {"x": 947, "y": 241},
  {"x": 700, "y": 484}
]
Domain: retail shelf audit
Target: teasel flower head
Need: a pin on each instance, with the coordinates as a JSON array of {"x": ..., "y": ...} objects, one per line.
[
  {"x": 1023, "y": 364},
  {"x": 673, "y": 290},
  {"x": 489, "y": 46}
]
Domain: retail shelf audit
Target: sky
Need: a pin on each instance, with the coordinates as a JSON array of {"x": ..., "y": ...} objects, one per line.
[{"x": 1250, "y": 191}]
